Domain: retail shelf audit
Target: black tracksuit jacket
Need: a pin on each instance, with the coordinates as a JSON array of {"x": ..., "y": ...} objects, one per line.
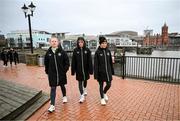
[
  {"x": 81, "y": 64},
  {"x": 56, "y": 66},
  {"x": 103, "y": 66}
]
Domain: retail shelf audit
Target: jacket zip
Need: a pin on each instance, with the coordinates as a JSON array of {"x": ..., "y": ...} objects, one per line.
[
  {"x": 82, "y": 64},
  {"x": 56, "y": 69},
  {"x": 106, "y": 65}
]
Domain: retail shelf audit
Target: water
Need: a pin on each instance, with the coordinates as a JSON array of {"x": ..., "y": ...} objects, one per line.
[{"x": 156, "y": 53}]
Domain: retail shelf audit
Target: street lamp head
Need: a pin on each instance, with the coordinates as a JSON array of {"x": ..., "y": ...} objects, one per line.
[
  {"x": 32, "y": 7},
  {"x": 25, "y": 9}
]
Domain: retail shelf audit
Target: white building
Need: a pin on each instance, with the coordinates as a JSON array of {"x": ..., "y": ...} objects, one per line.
[
  {"x": 21, "y": 38},
  {"x": 70, "y": 41},
  {"x": 120, "y": 39}
]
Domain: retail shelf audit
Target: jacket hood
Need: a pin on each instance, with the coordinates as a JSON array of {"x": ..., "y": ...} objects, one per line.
[{"x": 59, "y": 48}]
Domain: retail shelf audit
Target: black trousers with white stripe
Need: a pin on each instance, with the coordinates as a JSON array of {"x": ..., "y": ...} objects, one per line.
[
  {"x": 103, "y": 90},
  {"x": 81, "y": 85}
]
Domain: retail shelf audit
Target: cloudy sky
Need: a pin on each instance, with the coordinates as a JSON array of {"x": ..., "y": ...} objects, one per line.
[{"x": 91, "y": 16}]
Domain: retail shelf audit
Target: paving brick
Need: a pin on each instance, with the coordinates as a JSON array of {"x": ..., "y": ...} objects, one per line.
[{"x": 129, "y": 99}]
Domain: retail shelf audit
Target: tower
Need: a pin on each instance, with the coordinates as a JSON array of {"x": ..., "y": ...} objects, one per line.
[{"x": 165, "y": 40}]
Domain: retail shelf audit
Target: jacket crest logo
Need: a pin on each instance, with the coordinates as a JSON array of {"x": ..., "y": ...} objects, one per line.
[{"x": 59, "y": 54}]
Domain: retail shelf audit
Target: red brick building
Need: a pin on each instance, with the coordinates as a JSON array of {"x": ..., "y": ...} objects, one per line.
[{"x": 157, "y": 39}]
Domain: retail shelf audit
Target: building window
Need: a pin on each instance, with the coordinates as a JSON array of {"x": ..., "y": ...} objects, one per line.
[{"x": 27, "y": 39}]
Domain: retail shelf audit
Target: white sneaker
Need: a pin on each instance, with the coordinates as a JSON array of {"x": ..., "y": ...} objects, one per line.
[
  {"x": 85, "y": 92},
  {"x": 64, "y": 99},
  {"x": 106, "y": 97},
  {"x": 51, "y": 108},
  {"x": 81, "y": 99},
  {"x": 103, "y": 102}
]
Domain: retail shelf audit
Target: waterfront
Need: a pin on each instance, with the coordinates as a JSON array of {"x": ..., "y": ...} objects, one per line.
[{"x": 157, "y": 53}]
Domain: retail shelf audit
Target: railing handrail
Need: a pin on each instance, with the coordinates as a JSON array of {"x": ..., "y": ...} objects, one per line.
[{"x": 152, "y": 57}]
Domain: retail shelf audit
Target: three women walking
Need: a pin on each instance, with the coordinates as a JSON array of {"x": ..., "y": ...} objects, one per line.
[{"x": 57, "y": 65}]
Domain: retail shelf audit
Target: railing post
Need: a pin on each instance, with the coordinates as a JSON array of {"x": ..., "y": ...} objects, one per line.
[{"x": 123, "y": 65}]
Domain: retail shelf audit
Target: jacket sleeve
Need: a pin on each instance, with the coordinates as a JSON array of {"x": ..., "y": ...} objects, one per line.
[
  {"x": 96, "y": 66},
  {"x": 90, "y": 66},
  {"x": 46, "y": 63},
  {"x": 66, "y": 61},
  {"x": 73, "y": 64},
  {"x": 111, "y": 63}
]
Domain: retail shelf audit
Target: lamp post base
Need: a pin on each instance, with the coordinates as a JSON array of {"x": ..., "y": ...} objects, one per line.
[{"x": 31, "y": 59}]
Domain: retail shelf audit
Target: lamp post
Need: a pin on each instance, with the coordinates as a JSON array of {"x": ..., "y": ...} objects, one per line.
[{"x": 28, "y": 11}]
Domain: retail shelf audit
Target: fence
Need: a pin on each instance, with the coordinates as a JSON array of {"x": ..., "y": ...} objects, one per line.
[{"x": 150, "y": 68}]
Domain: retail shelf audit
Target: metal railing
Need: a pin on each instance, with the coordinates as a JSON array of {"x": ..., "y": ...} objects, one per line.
[{"x": 150, "y": 68}]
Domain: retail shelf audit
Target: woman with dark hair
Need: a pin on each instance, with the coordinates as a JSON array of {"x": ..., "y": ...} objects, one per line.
[
  {"x": 82, "y": 66},
  {"x": 103, "y": 68}
]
